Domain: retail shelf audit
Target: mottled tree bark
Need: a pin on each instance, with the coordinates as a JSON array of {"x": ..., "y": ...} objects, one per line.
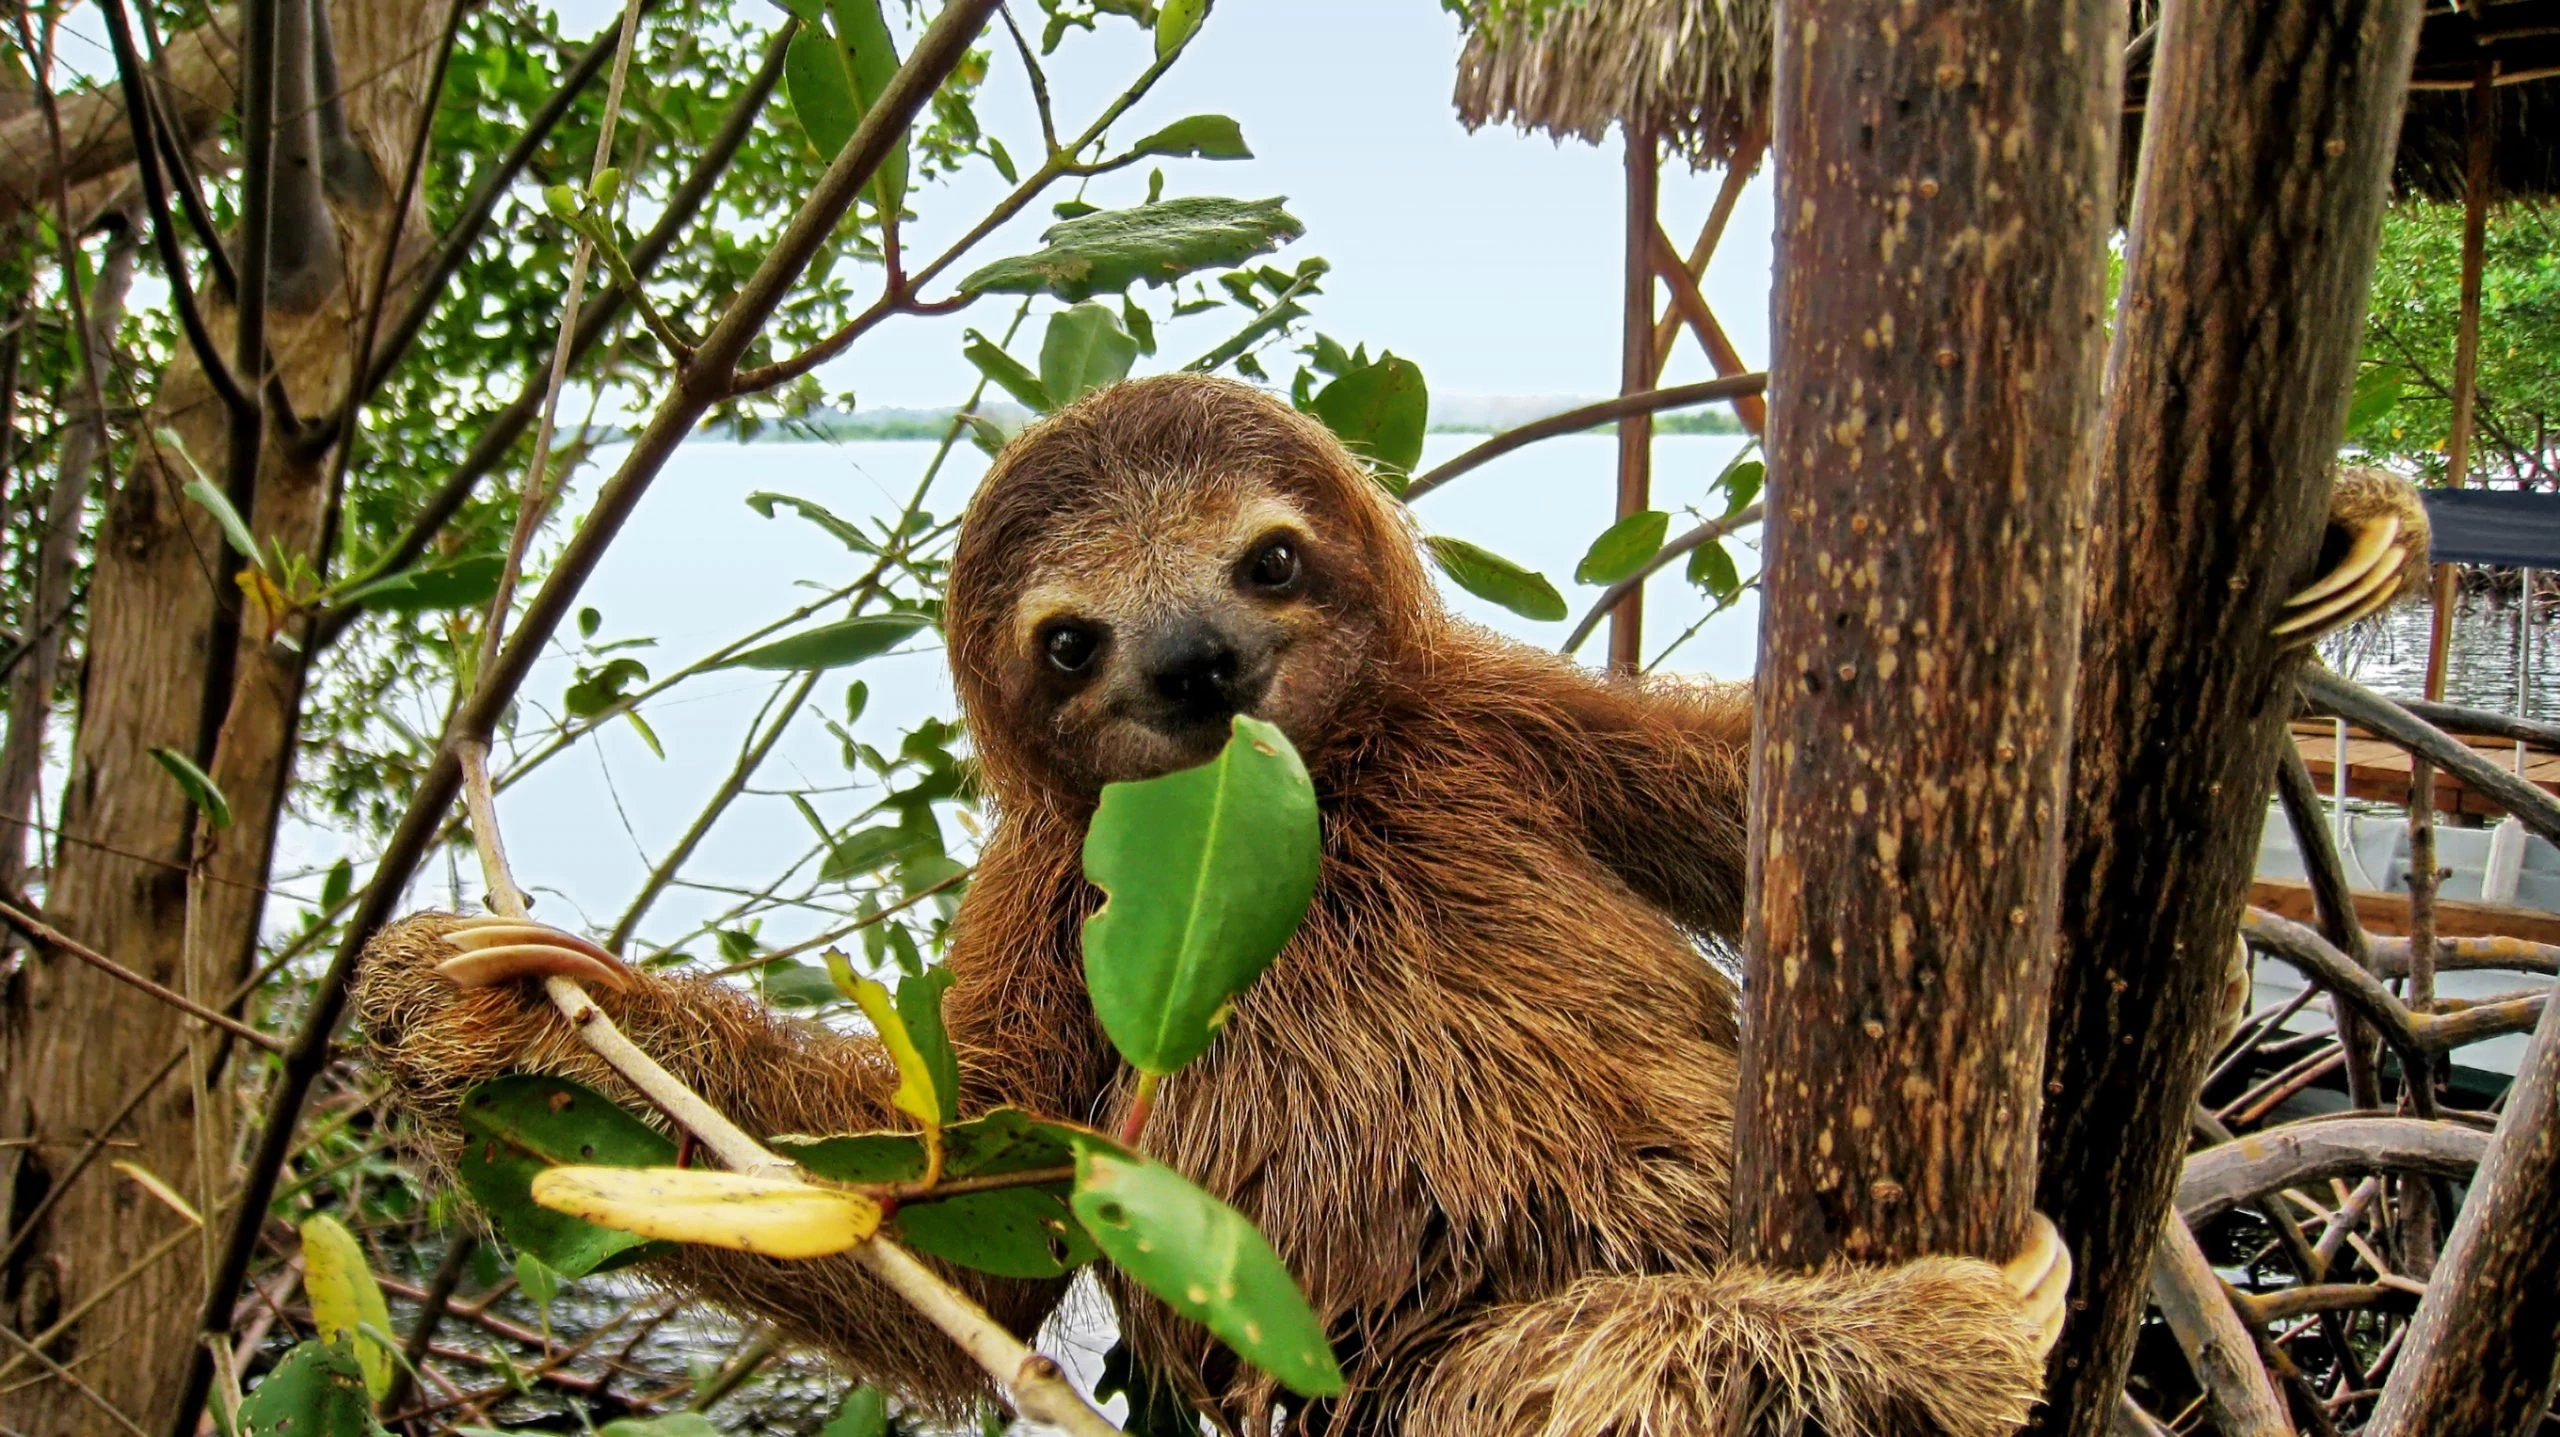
[
  {"x": 2483, "y": 1353},
  {"x": 2269, "y": 134},
  {"x": 1942, "y": 199},
  {"x": 166, "y": 666}
]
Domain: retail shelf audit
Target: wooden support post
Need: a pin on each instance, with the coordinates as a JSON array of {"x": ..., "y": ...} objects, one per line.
[
  {"x": 2477, "y": 179},
  {"x": 1635, "y": 373},
  {"x": 1737, "y": 174},
  {"x": 1944, "y": 172},
  {"x": 1688, "y": 305},
  {"x": 2237, "y": 336}
]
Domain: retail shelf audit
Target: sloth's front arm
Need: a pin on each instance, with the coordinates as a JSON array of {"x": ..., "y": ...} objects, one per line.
[{"x": 770, "y": 1074}]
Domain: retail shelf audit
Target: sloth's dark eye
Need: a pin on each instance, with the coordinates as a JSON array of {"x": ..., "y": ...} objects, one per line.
[
  {"x": 1274, "y": 566},
  {"x": 1070, "y": 647}
]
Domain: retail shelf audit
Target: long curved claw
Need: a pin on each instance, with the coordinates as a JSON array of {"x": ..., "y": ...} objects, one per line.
[
  {"x": 505, "y": 950},
  {"x": 2371, "y": 588},
  {"x": 2238, "y": 987},
  {"x": 2370, "y": 541},
  {"x": 2041, "y": 1277}
]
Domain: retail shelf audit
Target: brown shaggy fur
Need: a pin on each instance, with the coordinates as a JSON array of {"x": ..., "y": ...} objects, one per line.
[{"x": 1483, "y": 1103}]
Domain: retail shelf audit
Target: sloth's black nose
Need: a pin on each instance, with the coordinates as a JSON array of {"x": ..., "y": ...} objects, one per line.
[{"x": 1198, "y": 676}]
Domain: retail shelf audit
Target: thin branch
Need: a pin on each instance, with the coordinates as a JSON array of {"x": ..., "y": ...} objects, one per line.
[
  {"x": 1039, "y": 79},
  {"x": 2197, "y": 1308},
  {"x": 1574, "y": 421},
  {"x": 54, "y": 938},
  {"x": 1696, "y": 538},
  {"x": 65, "y": 1375},
  {"x": 66, "y": 245},
  {"x": 2228, "y": 1175}
]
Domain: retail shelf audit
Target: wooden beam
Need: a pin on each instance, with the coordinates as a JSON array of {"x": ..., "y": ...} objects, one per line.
[
  {"x": 1689, "y": 305},
  {"x": 1635, "y": 374},
  {"x": 2388, "y": 913},
  {"x": 1737, "y": 175}
]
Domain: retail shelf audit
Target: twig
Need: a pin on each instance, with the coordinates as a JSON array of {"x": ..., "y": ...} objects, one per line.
[
  {"x": 432, "y": 1305},
  {"x": 1573, "y": 421},
  {"x": 65, "y": 1375},
  {"x": 1698, "y": 537},
  {"x": 55, "y": 938}
]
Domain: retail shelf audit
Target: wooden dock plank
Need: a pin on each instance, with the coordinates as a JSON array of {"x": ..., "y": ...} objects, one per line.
[{"x": 2389, "y": 913}]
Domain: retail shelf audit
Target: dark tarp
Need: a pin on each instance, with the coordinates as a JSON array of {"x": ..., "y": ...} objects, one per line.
[{"x": 2494, "y": 526}]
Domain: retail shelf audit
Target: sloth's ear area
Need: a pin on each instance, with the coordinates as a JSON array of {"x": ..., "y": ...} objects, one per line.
[{"x": 489, "y": 951}]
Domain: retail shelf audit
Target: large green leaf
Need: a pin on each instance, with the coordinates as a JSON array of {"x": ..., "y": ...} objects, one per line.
[
  {"x": 1023, "y": 1232},
  {"x": 462, "y": 584},
  {"x": 1623, "y": 548},
  {"x": 871, "y": 848},
  {"x": 1488, "y": 575},
  {"x": 1008, "y": 373},
  {"x": 1209, "y": 137},
  {"x": 1381, "y": 411},
  {"x": 1085, "y": 348},
  {"x": 834, "y": 79},
  {"x": 1207, "y": 872},
  {"x": 515, "y": 1127},
  {"x": 1108, "y": 251},
  {"x": 873, "y": 55},
  {"x": 316, "y": 1391},
  {"x": 1205, "y": 1261},
  {"x": 1711, "y": 568},
  {"x": 831, "y": 646}
]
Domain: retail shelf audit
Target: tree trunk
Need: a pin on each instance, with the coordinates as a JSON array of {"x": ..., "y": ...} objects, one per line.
[
  {"x": 1943, "y": 174},
  {"x": 2265, "y": 149},
  {"x": 45, "y": 626},
  {"x": 2483, "y": 1355},
  {"x": 74, "y": 1041}
]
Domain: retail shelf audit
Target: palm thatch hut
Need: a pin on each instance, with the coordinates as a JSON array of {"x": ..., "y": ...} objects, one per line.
[{"x": 1687, "y": 77}]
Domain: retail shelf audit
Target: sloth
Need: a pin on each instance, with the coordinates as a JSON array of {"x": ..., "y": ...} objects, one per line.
[{"x": 1482, "y": 1104}]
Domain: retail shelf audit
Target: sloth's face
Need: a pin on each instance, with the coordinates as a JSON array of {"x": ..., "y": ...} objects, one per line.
[{"x": 1162, "y": 610}]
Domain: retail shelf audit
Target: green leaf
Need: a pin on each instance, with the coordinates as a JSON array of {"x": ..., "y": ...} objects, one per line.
[
  {"x": 1622, "y": 550},
  {"x": 787, "y": 983},
  {"x": 1008, "y": 374},
  {"x": 764, "y": 501},
  {"x": 1206, "y": 872},
  {"x": 1209, "y": 137},
  {"x": 235, "y": 530},
  {"x": 198, "y": 786},
  {"x": 917, "y": 1094},
  {"x": 1711, "y": 568},
  {"x": 345, "y": 1300},
  {"x": 1023, "y": 1232},
  {"x": 430, "y": 588},
  {"x": 863, "y": 1413},
  {"x": 831, "y": 646},
  {"x": 1085, "y": 348},
  {"x": 1140, "y": 324},
  {"x": 863, "y": 852},
  {"x": 920, "y": 1008},
  {"x": 647, "y": 734},
  {"x": 1380, "y": 411},
  {"x": 819, "y": 78},
  {"x": 1741, "y": 484},
  {"x": 1205, "y": 1261},
  {"x": 873, "y": 57},
  {"x": 340, "y": 882},
  {"x": 1106, "y": 252},
  {"x": 316, "y": 1391},
  {"x": 2377, "y": 393},
  {"x": 539, "y": 1280},
  {"x": 1488, "y": 575},
  {"x": 672, "y": 1424},
  {"x": 1176, "y": 22},
  {"x": 514, "y": 1127}
]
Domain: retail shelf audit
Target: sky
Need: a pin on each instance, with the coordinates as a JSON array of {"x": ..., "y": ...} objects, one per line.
[{"x": 1491, "y": 259}]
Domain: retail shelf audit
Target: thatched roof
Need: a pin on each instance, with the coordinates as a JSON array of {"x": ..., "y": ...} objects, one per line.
[
  {"x": 1695, "y": 72},
  {"x": 2520, "y": 37}
]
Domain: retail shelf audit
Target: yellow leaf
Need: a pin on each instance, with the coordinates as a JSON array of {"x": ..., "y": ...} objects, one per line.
[
  {"x": 915, "y": 1096},
  {"x": 774, "y": 1217},
  {"x": 344, "y": 1297}
]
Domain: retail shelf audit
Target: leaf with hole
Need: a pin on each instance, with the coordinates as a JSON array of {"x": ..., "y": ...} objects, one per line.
[
  {"x": 1206, "y": 872},
  {"x": 345, "y": 1300},
  {"x": 1623, "y": 548},
  {"x": 1025, "y": 1232},
  {"x": 316, "y": 1391},
  {"x": 1488, "y": 575},
  {"x": 515, "y": 1128},
  {"x": 1205, "y": 1261},
  {"x": 1711, "y": 568},
  {"x": 770, "y": 1217},
  {"x": 831, "y": 646},
  {"x": 1381, "y": 411},
  {"x": 1207, "y": 137},
  {"x": 197, "y": 785},
  {"x": 1741, "y": 483},
  {"x": 1084, "y": 349},
  {"x": 1106, "y": 252}
]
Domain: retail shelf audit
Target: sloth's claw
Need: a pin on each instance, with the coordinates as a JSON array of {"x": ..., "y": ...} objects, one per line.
[
  {"x": 2041, "y": 1277},
  {"x": 505, "y": 950},
  {"x": 2365, "y": 580}
]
